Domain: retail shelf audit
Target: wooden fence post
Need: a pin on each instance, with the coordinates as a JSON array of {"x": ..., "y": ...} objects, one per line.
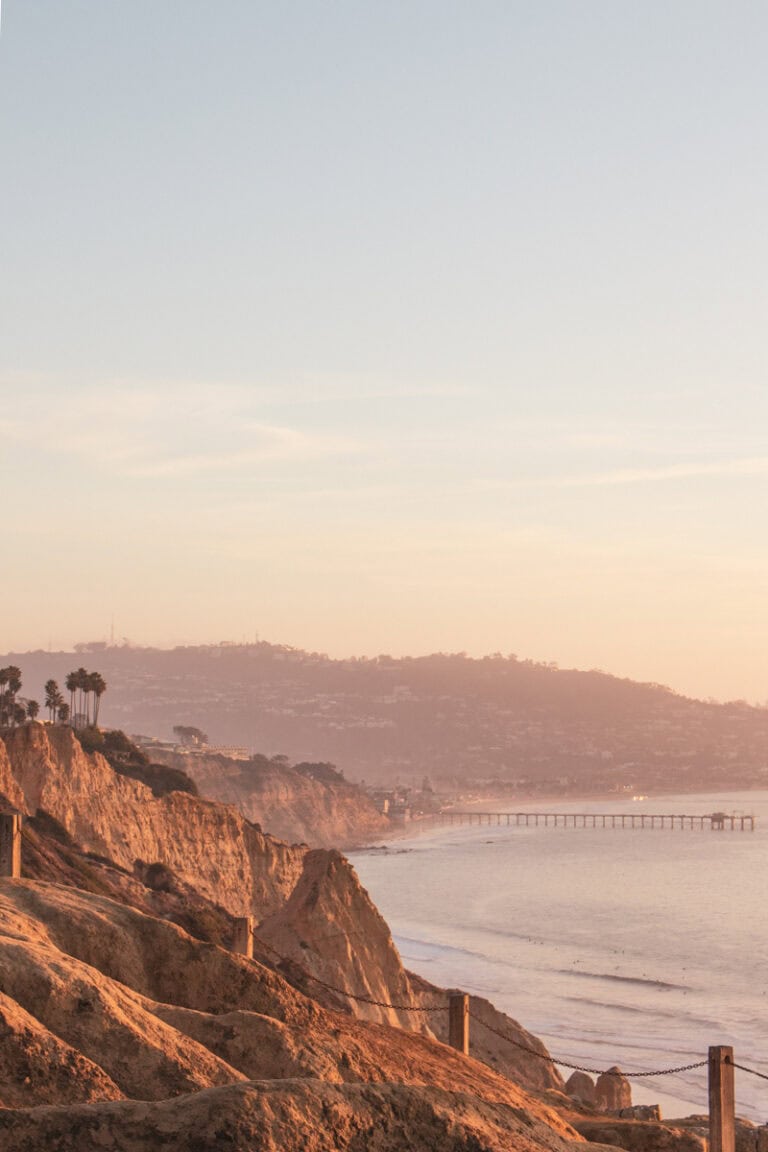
[
  {"x": 10, "y": 845},
  {"x": 243, "y": 939},
  {"x": 458, "y": 1023},
  {"x": 722, "y": 1101}
]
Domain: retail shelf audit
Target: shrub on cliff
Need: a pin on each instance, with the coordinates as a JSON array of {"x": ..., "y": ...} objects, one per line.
[
  {"x": 125, "y": 758},
  {"x": 91, "y": 740},
  {"x": 323, "y": 771},
  {"x": 159, "y": 877},
  {"x": 161, "y": 778}
]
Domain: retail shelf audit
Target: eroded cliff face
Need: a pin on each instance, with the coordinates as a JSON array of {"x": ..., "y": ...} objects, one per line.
[
  {"x": 9, "y": 785},
  {"x": 317, "y": 915},
  {"x": 289, "y": 804},
  {"x": 331, "y": 927},
  {"x": 127, "y": 1027},
  {"x": 209, "y": 845},
  {"x": 311, "y": 908}
]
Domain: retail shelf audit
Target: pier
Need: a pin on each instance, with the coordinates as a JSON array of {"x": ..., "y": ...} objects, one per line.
[{"x": 714, "y": 822}]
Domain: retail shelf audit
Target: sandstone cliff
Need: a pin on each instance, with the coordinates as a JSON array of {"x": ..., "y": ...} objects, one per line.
[
  {"x": 288, "y": 803},
  {"x": 210, "y": 845},
  {"x": 113, "y": 1018},
  {"x": 311, "y": 906},
  {"x": 322, "y": 916},
  {"x": 102, "y": 1004},
  {"x": 330, "y": 926}
]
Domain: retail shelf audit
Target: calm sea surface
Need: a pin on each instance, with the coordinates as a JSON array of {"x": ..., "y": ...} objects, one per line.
[{"x": 615, "y": 947}]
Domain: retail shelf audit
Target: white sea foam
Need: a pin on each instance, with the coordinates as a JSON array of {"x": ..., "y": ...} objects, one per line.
[{"x": 616, "y": 947}]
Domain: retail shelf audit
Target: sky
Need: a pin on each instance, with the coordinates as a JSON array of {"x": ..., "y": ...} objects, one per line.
[{"x": 404, "y": 327}]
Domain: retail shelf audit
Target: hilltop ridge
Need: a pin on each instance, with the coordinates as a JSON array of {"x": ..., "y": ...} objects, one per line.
[{"x": 449, "y": 716}]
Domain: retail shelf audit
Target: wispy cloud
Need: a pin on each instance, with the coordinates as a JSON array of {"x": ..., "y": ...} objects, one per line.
[
  {"x": 177, "y": 431},
  {"x": 753, "y": 466},
  {"x": 269, "y": 443}
]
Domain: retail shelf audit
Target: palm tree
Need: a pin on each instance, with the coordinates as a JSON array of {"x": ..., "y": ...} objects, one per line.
[
  {"x": 14, "y": 686},
  {"x": 52, "y": 698},
  {"x": 32, "y": 709},
  {"x": 63, "y": 712},
  {"x": 71, "y": 685},
  {"x": 98, "y": 687},
  {"x": 82, "y": 687}
]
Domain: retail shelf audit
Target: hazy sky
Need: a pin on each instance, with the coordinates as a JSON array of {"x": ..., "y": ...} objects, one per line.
[{"x": 391, "y": 327}]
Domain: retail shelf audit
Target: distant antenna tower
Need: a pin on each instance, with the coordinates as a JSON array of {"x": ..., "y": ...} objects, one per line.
[{"x": 112, "y": 629}]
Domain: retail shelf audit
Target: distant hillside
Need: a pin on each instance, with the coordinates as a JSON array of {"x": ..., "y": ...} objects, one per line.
[{"x": 447, "y": 716}]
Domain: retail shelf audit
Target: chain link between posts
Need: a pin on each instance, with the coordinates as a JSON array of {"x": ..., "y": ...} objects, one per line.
[
  {"x": 751, "y": 1071},
  {"x": 341, "y": 991},
  {"x": 579, "y": 1067},
  {"x": 489, "y": 1027}
]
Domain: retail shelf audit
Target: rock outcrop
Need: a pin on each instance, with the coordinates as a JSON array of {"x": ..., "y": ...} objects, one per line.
[
  {"x": 640, "y": 1135},
  {"x": 209, "y": 845},
  {"x": 37, "y": 1067},
  {"x": 613, "y": 1091},
  {"x": 330, "y": 926},
  {"x": 289, "y": 1115},
  {"x": 581, "y": 1087},
  {"x": 749, "y": 1137}
]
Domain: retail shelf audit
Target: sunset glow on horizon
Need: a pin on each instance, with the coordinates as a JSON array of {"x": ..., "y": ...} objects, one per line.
[{"x": 388, "y": 329}]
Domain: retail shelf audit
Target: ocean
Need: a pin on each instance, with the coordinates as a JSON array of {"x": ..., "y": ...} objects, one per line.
[{"x": 636, "y": 948}]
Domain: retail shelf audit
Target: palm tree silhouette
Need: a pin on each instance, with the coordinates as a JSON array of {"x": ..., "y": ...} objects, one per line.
[
  {"x": 52, "y": 699},
  {"x": 82, "y": 686},
  {"x": 3, "y": 697},
  {"x": 71, "y": 685},
  {"x": 98, "y": 687},
  {"x": 14, "y": 686}
]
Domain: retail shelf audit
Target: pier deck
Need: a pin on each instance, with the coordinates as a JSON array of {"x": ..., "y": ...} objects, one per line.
[{"x": 715, "y": 821}]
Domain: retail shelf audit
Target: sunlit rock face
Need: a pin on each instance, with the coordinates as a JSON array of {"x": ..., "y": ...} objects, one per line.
[
  {"x": 209, "y": 845},
  {"x": 325, "y": 918},
  {"x": 126, "y": 1027},
  {"x": 613, "y": 1091},
  {"x": 330, "y": 926},
  {"x": 286, "y": 802}
]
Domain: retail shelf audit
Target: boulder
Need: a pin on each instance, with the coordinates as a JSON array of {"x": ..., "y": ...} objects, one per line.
[
  {"x": 641, "y": 1112},
  {"x": 613, "y": 1091},
  {"x": 581, "y": 1087}
]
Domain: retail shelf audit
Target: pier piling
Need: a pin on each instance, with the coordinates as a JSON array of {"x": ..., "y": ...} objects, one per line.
[{"x": 716, "y": 821}]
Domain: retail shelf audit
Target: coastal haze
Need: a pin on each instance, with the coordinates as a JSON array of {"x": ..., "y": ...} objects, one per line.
[
  {"x": 383, "y": 467},
  {"x": 499, "y": 724}
]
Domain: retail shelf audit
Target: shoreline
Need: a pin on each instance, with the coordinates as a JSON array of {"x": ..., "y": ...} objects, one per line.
[
  {"x": 674, "y": 1105},
  {"x": 418, "y": 825}
]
